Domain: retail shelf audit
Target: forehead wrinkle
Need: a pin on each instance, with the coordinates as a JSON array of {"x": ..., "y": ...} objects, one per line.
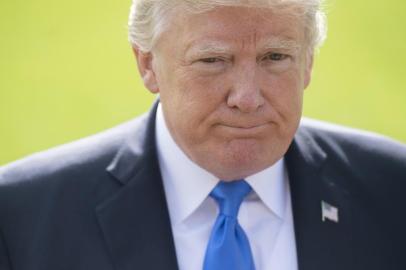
[
  {"x": 249, "y": 41},
  {"x": 274, "y": 42},
  {"x": 254, "y": 39}
]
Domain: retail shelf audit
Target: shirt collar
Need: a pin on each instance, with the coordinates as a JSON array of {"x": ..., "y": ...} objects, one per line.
[
  {"x": 187, "y": 185},
  {"x": 271, "y": 186}
]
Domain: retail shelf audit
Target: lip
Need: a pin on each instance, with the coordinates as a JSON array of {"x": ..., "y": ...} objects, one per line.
[
  {"x": 244, "y": 130},
  {"x": 245, "y": 126}
]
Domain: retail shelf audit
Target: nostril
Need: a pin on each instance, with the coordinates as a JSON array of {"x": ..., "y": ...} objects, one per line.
[{"x": 246, "y": 100}]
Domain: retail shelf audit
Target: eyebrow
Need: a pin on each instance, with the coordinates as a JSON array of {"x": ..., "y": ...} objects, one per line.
[
  {"x": 280, "y": 43},
  {"x": 221, "y": 48},
  {"x": 211, "y": 47}
]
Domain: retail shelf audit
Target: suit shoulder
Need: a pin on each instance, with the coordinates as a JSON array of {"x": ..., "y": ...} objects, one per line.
[
  {"x": 356, "y": 146},
  {"x": 74, "y": 157}
]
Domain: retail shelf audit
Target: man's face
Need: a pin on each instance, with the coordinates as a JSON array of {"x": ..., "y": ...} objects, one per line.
[{"x": 231, "y": 83}]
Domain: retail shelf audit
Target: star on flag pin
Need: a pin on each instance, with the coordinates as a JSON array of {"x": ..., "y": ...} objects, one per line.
[{"x": 329, "y": 212}]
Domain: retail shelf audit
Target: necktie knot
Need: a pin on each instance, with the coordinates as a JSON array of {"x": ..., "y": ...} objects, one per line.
[{"x": 229, "y": 196}]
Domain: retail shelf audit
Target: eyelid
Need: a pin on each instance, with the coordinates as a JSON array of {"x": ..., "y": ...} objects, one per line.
[
  {"x": 207, "y": 59},
  {"x": 283, "y": 55},
  {"x": 217, "y": 58}
]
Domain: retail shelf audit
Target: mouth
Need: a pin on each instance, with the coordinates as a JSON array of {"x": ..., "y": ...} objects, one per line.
[
  {"x": 245, "y": 125},
  {"x": 244, "y": 130}
]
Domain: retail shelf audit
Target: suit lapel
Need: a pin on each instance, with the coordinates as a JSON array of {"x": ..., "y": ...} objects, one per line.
[
  {"x": 135, "y": 220},
  {"x": 320, "y": 244}
]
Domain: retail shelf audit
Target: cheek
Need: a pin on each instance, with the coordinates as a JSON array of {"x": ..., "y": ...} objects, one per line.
[
  {"x": 211, "y": 88},
  {"x": 189, "y": 103},
  {"x": 285, "y": 92},
  {"x": 200, "y": 95}
]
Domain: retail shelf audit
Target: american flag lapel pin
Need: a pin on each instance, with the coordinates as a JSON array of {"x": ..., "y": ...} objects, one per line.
[{"x": 329, "y": 212}]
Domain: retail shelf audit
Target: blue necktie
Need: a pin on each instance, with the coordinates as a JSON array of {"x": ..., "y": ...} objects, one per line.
[{"x": 228, "y": 247}]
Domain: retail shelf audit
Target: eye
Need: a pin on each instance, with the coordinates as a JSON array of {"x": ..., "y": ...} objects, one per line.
[
  {"x": 210, "y": 60},
  {"x": 275, "y": 57}
]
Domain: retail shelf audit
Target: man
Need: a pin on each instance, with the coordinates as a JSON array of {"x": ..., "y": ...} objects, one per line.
[{"x": 220, "y": 174}]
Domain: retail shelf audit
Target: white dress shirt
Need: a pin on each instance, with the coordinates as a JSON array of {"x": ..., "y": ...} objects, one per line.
[{"x": 265, "y": 215}]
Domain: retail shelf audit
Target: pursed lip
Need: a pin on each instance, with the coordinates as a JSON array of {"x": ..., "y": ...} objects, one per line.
[
  {"x": 245, "y": 126},
  {"x": 244, "y": 129}
]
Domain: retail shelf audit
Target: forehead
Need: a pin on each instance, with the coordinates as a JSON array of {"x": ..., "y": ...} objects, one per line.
[{"x": 238, "y": 25}]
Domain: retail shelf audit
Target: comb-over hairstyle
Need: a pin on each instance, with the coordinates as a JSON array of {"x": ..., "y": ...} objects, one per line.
[{"x": 148, "y": 18}]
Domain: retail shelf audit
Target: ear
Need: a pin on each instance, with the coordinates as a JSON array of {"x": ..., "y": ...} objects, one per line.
[
  {"x": 308, "y": 69},
  {"x": 146, "y": 69}
]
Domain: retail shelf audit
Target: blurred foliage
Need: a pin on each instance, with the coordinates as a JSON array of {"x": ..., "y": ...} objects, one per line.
[{"x": 67, "y": 71}]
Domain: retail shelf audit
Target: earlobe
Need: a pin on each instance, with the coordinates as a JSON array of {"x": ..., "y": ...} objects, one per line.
[{"x": 146, "y": 69}]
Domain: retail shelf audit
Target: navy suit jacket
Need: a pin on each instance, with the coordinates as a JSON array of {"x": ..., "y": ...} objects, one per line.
[{"x": 99, "y": 203}]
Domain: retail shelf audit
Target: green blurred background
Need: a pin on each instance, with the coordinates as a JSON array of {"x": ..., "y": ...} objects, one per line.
[{"x": 67, "y": 71}]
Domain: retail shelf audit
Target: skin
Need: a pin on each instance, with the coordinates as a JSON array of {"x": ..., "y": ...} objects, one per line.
[{"x": 231, "y": 84}]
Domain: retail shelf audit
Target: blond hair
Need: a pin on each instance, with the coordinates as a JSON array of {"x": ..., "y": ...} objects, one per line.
[{"x": 148, "y": 18}]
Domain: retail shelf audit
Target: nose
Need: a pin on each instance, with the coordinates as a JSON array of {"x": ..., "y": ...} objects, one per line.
[{"x": 245, "y": 93}]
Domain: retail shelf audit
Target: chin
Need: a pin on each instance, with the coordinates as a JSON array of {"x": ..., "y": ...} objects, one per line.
[
  {"x": 236, "y": 172},
  {"x": 242, "y": 159}
]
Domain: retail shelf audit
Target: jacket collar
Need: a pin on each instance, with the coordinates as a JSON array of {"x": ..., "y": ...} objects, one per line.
[
  {"x": 134, "y": 219},
  {"x": 320, "y": 244}
]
